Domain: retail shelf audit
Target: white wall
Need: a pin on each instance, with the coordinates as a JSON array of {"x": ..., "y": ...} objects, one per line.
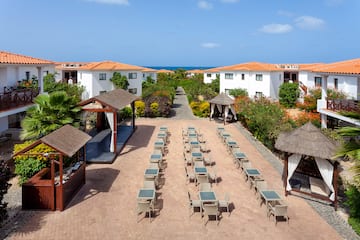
[
  {"x": 249, "y": 83},
  {"x": 210, "y": 78},
  {"x": 93, "y": 86}
]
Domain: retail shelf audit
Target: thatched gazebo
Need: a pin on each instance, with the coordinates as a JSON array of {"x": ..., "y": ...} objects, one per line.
[
  {"x": 309, "y": 153},
  {"x": 223, "y": 103}
]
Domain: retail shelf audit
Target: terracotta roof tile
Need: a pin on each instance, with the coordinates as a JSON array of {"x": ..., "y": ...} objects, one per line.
[
  {"x": 252, "y": 66},
  {"x": 13, "y": 58},
  {"x": 148, "y": 70},
  {"x": 164, "y": 71},
  {"x": 196, "y": 71},
  {"x": 345, "y": 67},
  {"x": 110, "y": 66}
]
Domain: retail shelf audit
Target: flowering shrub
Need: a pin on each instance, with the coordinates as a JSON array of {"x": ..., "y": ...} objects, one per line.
[
  {"x": 200, "y": 109},
  {"x": 140, "y": 108},
  {"x": 305, "y": 117},
  {"x": 154, "y": 109}
]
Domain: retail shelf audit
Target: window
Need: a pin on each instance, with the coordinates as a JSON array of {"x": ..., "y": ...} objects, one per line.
[
  {"x": 258, "y": 77},
  {"x": 102, "y": 92},
  {"x": 27, "y": 75},
  {"x": 46, "y": 73},
  {"x": 208, "y": 75},
  {"x": 336, "y": 83},
  {"x": 229, "y": 75},
  {"x": 143, "y": 75},
  {"x": 242, "y": 76},
  {"x": 258, "y": 94},
  {"x": 133, "y": 90},
  {"x": 132, "y": 75},
  {"x": 317, "y": 81},
  {"x": 102, "y": 76}
]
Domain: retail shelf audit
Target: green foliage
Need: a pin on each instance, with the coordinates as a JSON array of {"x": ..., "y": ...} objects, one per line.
[
  {"x": 238, "y": 92},
  {"x": 215, "y": 84},
  {"x": 50, "y": 113},
  {"x": 288, "y": 94},
  {"x": 50, "y": 86},
  {"x": 154, "y": 109},
  {"x": 264, "y": 119},
  {"x": 126, "y": 112},
  {"x": 4, "y": 186},
  {"x": 353, "y": 202},
  {"x": 140, "y": 108},
  {"x": 355, "y": 115},
  {"x": 120, "y": 81},
  {"x": 335, "y": 94},
  {"x": 28, "y": 168}
]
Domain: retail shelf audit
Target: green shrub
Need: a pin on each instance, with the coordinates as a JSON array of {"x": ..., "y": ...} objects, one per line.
[
  {"x": 140, "y": 108},
  {"x": 238, "y": 92},
  {"x": 126, "y": 112},
  {"x": 288, "y": 94},
  {"x": 26, "y": 168},
  {"x": 4, "y": 186},
  {"x": 355, "y": 115},
  {"x": 353, "y": 202}
]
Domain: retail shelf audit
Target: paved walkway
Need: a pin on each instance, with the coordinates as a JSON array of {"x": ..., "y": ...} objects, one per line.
[{"x": 104, "y": 207}]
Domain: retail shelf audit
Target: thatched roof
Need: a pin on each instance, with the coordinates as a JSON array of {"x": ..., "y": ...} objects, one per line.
[
  {"x": 307, "y": 140},
  {"x": 222, "y": 99},
  {"x": 66, "y": 140},
  {"x": 116, "y": 99}
]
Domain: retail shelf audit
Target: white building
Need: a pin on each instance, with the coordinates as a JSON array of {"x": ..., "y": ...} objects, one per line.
[
  {"x": 259, "y": 79},
  {"x": 95, "y": 77},
  {"x": 211, "y": 74},
  {"x": 66, "y": 72},
  {"x": 21, "y": 80},
  {"x": 344, "y": 76}
]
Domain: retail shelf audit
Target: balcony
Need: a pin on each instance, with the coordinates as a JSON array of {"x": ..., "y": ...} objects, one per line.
[
  {"x": 14, "y": 98},
  {"x": 343, "y": 105}
]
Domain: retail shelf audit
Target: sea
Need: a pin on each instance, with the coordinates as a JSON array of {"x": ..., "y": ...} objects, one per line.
[{"x": 172, "y": 68}]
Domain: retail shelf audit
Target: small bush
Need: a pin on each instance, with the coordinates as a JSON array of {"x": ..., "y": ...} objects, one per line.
[
  {"x": 154, "y": 109},
  {"x": 353, "y": 202},
  {"x": 140, "y": 108},
  {"x": 126, "y": 112},
  {"x": 4, "y": 186},
  {"x": 288, "y": 94},
  {"x": 26, "y": 168},
  {"x": 41, "y": 148},
  {"x": 238, "y": 92},
  {"x": 200, "y": 109}
]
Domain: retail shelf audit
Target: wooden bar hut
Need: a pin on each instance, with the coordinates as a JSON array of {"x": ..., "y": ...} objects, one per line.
[
  {"x": 50, "y": 190},
  {"x": 109, "y": 103},
  {"x": 309, "y": 167}
]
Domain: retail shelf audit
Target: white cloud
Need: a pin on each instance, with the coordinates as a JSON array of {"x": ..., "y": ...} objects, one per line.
[
  {"x": 309, "y": 23},
  {"x": 117, "y": 2},
  {"x": 276, "y": 28},
  {"x": 229, "y": 1},
  {"x": 210, "y": 45},
  {"x": 205, "y": 5}
]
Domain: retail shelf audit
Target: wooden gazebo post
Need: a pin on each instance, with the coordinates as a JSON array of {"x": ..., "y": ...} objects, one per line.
[
  {"x": 133, "y": 114},
  {"x": 285, "y": 171},
  {"x": 115, "y": 129},
  {"x": 335, "y": 184}
]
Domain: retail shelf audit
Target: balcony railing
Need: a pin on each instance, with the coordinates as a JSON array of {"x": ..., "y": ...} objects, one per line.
[
  {"x": 15, "y": 98},
  {"x": 343, "y": 105}
]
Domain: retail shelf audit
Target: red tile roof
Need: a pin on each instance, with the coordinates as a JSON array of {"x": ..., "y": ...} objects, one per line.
[
  {"x": 110, "y": 66},
  {"x": 345, "y": 67},
  {"x": 13, "y": 58},
  {"x": 252, "y": 66},
  {"x": 164, "y": 71}
]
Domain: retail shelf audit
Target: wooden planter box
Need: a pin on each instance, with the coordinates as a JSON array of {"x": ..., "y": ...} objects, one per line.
[{"x": 40, "y": 192}]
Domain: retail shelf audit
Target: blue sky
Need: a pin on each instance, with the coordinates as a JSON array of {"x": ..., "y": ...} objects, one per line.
[{"x": 182, "y": 32}]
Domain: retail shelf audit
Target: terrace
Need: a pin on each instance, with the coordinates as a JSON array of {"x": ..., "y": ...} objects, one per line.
[{"x": 12, "y": 98}]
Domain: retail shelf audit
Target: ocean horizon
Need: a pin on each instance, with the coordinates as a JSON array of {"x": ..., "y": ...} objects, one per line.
[{"x": 172, "y": 68}]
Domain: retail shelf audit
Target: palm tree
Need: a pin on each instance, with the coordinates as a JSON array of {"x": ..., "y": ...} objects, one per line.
[
  {"x": 351, "y": 148},
  {"x": 50, "y": 113}
]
